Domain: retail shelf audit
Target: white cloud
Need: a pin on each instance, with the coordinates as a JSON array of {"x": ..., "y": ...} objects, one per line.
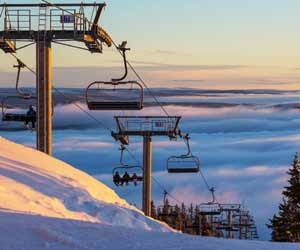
[{"x": 250, "y": 171}]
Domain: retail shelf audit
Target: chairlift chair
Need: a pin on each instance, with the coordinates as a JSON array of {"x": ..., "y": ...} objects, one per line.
[
  {"x": 126, "y": 168},
  {"x": 186, "y": 163},
  {"x": 125, "y": 95},
  {"x": 138, "y": 170},
  {"x": 212, "y": 207},
  {"x": 21, "y": 101},
  {"x": 166, "y": 210},
  {"x": 115, "y": 94},
  {"x": 231, "y": 207},
  {"x": 209, "y": 209},
  {"x": 15, "y": 112}
]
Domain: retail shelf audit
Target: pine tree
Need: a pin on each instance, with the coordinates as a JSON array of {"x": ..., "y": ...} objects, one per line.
[
  {"x": 153, "y": 210},
  {"x": 286, "y": 225},
  {"x": 179, "y": 221}
]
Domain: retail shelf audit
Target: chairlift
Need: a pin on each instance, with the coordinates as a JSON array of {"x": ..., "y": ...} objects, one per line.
[
  {"x": 210, "y": 208},
  {"x": 17, "y": 110},
  {"x": 14, "y": 107},
  {"x": 235, "y": 208},
  {"x": 166, "y": 210},
  {"x": 121, "y": 175},
  {"x": 115, "y": 94},
  {"x": 186, "y": 163}
]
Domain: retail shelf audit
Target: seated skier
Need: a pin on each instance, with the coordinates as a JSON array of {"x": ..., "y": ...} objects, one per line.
[
  {"x": 117, "y": 178},
  {"x": 30, "y": 117}
]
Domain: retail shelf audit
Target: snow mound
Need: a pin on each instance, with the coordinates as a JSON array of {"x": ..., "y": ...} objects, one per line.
[{"x": 34, "y": 183}]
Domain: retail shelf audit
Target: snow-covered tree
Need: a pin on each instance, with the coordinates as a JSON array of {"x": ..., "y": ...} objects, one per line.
[{"x": 286, "y": 224}]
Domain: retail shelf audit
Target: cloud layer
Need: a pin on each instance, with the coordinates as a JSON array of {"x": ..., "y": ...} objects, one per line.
[{"x": 244, "y": 150}]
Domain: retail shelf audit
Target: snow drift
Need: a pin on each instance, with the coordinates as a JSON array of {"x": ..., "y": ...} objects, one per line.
[{"x": 32, "y": 182}]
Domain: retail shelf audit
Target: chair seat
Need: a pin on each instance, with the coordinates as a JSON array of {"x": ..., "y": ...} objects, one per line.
[
  {"x": 183, "y": 170},
  {"x": 14, "y": 117},
  {"x": 114, "y": 105}
]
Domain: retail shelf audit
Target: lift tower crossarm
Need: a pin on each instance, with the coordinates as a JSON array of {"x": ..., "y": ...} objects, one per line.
[{"x": 69, "y": 24}]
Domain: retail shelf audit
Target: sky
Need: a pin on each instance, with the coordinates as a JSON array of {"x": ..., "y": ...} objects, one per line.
[{"x": 204, "y": 44}]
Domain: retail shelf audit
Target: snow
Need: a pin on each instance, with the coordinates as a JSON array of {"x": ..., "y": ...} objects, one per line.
[
  {"x": 32, "y": 182},
  {"x": 48, "y": 204}
]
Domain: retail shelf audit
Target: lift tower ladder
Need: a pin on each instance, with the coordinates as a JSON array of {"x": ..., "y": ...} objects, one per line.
[
  {"x": 146, "y": 126},
  {"x": 43, "y": 24}
]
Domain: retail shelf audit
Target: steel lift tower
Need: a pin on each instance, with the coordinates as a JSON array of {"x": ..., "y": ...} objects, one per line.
[
  {"x": 43, "y": 24},
  {"x": 146, "y": 126}
]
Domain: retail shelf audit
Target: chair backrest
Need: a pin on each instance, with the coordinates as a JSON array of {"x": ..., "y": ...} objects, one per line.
[
  {"x": 180, "y": 164},
  {"x": 127, "y": 95}
]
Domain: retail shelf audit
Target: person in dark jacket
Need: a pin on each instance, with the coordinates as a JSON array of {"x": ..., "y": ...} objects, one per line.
[
  {"x": 30, "y": 117},
  {"x": 134, "y": 179},
  {"x": 125, "y": 178},
  {"x": 117, "y": 178}
]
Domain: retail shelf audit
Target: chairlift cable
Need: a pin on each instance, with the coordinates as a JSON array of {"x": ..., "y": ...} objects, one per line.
[
  {"x": 69, "y": 45},
  {"x": 205, "y": 181},
  {"x": 148, "y": 89},
  {"x": 2, "y": 11},
  {"x": 161, "y": 186},
  {"x": 179, "y": 202},
  {"x": 142, "y": 81},
  {"x": 27, "y": 67},
  {"x": 210, "y": 189},
  {"x": 25, "y": 46},
  {"x": 83, "y": 110}
]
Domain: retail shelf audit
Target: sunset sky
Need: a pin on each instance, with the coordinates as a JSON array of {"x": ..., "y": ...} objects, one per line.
[{"x": 209, "y": 44}]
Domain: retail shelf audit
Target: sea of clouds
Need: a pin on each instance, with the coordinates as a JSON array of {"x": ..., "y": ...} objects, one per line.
[{"x": 245, "y": 147}]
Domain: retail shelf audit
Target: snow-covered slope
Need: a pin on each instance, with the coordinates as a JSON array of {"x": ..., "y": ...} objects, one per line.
[
  {"x": 48, "y": 204},
  {"x": 32, "y": 182}
]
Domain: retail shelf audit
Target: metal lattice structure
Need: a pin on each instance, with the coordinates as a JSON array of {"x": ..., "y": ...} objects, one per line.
[
  {"x": 61, "y": 22},
  {"x": 147, "y": 125}
]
